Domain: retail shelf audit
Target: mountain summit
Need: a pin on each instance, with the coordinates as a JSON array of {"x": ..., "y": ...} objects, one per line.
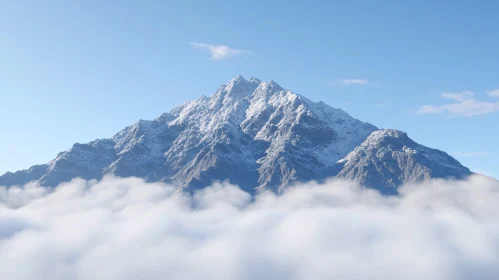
[{"x": 257, "y": 135}]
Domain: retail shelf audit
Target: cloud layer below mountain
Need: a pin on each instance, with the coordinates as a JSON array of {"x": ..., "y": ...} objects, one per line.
[{"x": 129, "y": 229}]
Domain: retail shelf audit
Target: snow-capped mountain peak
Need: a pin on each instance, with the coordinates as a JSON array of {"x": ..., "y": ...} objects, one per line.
[
  {"x": 254, "y": 80},
  {"x": 389, "y": 158},
  {"x": 255, "y": 134}
]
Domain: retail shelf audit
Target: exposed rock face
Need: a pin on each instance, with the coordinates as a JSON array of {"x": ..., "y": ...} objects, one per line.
[
  {"x": 255, "y": 134},
  {"x": 389, "y": 158}
]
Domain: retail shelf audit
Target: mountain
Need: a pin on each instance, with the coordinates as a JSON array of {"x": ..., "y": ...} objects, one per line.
[
  {"x": 255, "y": 134},
  {"x": 388, "y": 158}
]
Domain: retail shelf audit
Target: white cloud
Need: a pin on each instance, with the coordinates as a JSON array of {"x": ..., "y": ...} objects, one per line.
[
  {"x": 349, "y": 82},
  {"x": 129, "y": 229},
  {"x": 494, "y": 93},
  {"x": 219, "y": 52},
  {"x": 458, "y": 96},
  {"x": 464, "y": 106},
  {"x": 468, "y": 154}
]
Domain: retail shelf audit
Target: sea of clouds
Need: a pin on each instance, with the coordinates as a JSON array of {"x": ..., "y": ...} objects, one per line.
[{"x": 128, "y": 229}]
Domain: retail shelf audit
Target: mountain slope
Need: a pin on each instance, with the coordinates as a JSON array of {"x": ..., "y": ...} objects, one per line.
[
  {"x": 389, "y": 158},
  {"x": 255, "y": 134}
]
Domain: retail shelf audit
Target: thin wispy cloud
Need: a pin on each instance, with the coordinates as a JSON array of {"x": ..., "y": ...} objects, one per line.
[
  {"x": 468, "y": 154},
  {"x": 219, "y": 52},
  {"x": 494, "y": 93},
  {"x": 458, "y": 96},
  {"x": 349, "y": 82},
  {"x": 464, "y": 105}
]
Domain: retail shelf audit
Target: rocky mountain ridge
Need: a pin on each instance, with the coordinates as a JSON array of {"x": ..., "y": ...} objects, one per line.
[{"x": 255, "y": 134}]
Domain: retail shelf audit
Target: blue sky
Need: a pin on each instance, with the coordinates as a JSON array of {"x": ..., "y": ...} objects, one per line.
[{"x": 74, "y": 71}]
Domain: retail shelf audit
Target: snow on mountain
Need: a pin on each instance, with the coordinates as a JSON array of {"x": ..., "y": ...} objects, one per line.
[
  {"x": 389, "y": 158},
  {"x": 255, "y": 134}
]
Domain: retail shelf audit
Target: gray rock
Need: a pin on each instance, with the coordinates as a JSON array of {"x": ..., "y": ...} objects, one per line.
[
  {"x": 389, "y": 158},
  {"x": 254, "y": 134}
]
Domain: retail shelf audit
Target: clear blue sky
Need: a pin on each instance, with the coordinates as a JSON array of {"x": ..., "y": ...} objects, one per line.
[{"x": 74, "y": 71}]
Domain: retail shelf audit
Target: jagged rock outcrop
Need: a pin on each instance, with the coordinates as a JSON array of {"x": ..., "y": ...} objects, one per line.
[{"x": 255, "y": 134}]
